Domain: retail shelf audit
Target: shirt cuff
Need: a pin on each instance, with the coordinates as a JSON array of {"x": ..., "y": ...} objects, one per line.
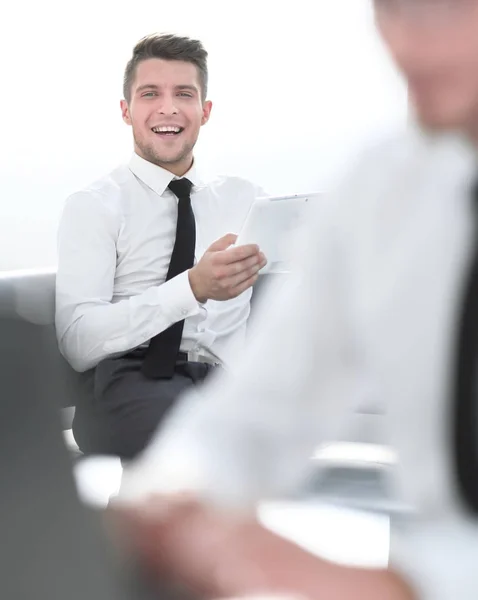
[{"x": 178, "y": 300}]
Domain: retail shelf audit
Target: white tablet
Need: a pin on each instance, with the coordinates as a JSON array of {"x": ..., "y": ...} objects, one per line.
[{"x": 271, "y": 222}]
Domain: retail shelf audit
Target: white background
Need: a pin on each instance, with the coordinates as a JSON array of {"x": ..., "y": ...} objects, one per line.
[{"x": 298, "y": 86}]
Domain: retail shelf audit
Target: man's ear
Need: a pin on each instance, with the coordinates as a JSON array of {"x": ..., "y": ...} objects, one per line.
[
  {"x": 206, "y": 112},
  {"x": 125, "y": 112}
]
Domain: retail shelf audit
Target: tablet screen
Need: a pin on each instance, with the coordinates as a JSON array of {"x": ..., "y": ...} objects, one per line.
[{"x": 273, "y": 223}]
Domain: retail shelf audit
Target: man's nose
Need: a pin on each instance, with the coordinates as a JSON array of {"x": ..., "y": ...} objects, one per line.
[{"x": 167, "y": 106}]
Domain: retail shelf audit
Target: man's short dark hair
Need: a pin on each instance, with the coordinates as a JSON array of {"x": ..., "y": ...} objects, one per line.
[{"x": 167, "y": 46}]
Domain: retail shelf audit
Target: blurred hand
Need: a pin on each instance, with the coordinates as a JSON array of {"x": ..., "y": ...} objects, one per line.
[
  {"x": 178, "y": 539},
  {"x": 222, "y": 554},
  {"x": 224, "y": 272},
  {"x": 212, "y": 552}
]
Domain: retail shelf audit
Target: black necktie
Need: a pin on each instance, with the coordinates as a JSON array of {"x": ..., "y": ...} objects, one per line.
[
  {"x": 161, "y": 356},
  {"x": 465, "y": 406}
]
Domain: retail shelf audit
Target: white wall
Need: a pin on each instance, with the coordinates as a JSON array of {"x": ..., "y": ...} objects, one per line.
[{"x": 297, "y": 87}]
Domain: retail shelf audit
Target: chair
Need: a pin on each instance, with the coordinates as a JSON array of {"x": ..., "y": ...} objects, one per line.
[{"x": 30, "y": 296}]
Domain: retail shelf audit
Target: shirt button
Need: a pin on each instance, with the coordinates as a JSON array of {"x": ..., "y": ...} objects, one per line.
[{"x": 184, "y": 312}]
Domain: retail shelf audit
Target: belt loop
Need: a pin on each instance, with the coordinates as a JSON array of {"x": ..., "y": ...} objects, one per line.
[{"x": 193, "y": 356}]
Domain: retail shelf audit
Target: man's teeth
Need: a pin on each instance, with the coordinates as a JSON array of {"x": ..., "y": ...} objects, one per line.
[{"x": 166, "y": 129}]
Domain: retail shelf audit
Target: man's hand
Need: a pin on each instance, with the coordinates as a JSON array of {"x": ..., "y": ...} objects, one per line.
[
  {"x": 220, "y": 554},
  {"x": 224, "y": 272},
  {"x": 177, "y": 538}
]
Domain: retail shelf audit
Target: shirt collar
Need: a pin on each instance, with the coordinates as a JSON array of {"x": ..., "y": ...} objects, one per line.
[{"x": 158, "y": 178}]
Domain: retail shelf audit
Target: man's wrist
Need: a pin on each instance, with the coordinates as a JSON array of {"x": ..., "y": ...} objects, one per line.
[{"x": 195, "y": 288}]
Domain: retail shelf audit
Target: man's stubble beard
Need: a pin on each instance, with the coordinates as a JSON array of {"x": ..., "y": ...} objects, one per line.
[{"x": 149, "y": 153}]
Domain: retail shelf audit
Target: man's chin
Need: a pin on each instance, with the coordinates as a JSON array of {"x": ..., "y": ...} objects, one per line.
[
  {"x": 163, "y": 155},
  {"x": 166, "y": 159}
]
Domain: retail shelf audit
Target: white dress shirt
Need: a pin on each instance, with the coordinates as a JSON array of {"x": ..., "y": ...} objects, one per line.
[
  {"x": 115, "y": 243},
  {"x": 376, "y": 299}
]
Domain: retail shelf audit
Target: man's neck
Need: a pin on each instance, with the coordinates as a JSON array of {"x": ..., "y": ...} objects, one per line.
[{"x": 179, "y": 170}]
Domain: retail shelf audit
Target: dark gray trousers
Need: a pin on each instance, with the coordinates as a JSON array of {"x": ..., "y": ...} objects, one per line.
[{"x": 126, "y": 408}]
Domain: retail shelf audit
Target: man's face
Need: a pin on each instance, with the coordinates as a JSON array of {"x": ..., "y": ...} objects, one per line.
[
  {"x": 435, "y": 44},
  {"x": 166, "y": 112}
]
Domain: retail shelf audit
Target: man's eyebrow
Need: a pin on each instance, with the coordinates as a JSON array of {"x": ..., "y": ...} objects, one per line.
[
  {"x": 147, "y": 86},
  {"x": 153, "y": 86},
  {"x": 187, "y": 86}
]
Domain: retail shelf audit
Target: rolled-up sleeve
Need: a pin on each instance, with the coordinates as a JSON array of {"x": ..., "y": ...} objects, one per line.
[{"x": 90, "y": 326}]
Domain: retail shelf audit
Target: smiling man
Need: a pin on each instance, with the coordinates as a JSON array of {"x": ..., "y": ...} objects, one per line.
[{"x": 150, "y": 298}]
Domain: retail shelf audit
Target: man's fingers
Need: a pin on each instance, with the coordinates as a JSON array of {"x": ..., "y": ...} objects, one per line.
[
  {"x": 239, "y": 283},
  {"x": 223, "y": 243},
  {"x": 244, "y": 285},
  {"x": 238, "y": 253},
  {"x": 242, "y": 271},
  {"x": 248, "y": 265},
  {"x": 234, "y": 274}
]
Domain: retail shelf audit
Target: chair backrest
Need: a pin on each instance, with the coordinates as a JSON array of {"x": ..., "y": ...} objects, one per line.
[{"x": 30, "y": 297}]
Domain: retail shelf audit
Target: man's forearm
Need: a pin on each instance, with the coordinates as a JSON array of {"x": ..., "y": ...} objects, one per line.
[
  {"x": 222, "y": 554},
  {"x": 90, "y": 334}
]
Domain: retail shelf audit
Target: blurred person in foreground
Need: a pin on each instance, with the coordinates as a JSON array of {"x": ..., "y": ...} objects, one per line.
[{"x": 387, "y": 290}]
